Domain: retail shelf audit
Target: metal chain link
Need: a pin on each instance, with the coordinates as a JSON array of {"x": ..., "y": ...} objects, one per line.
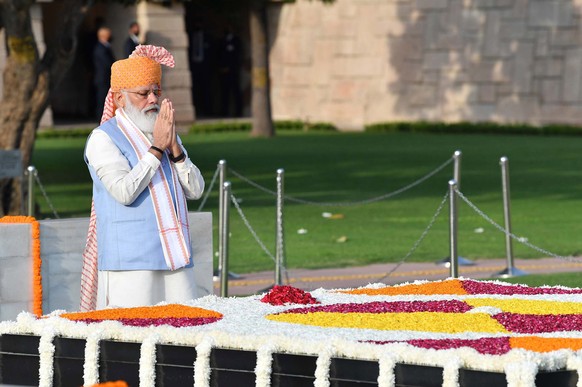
[
  {"x": 345, "y": 204},
  {"x": 513, "y": 236},
  {"x": 250, "y": 182},
  {"x": 46, "y": 198},
  {"x": 216, "y": 172},
  {"x": 419, "y": 241},
  {"x": 252, "y": 231}
]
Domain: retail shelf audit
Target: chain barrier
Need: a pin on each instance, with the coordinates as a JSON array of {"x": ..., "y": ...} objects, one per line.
[
  {"x": 254, "y": 233},
  {"x": 511, "y": 235},
  {"x": 252, "y": 183},
  {"x": 345, "y": 204},
  {"x": 209, "y": 190},
  {"x": 44, "y": 194},
  {"x": 419, "y": 241}
]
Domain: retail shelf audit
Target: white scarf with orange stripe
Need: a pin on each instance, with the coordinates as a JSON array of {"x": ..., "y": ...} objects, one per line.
[{"x": 172, "y": 220}]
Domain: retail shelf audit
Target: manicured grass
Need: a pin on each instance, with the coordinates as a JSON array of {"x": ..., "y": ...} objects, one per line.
[
  {"x": 572, "y": 280},
  {"x": 546, "y": 191}
]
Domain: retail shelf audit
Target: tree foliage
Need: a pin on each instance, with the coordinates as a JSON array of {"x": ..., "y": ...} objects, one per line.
[{"x": 29, "y": 79}]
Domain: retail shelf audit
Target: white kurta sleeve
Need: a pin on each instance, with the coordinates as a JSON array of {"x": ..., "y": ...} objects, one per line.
[
  {"x": 121, "y": 181},
  {"x": 190, "y": 178}
]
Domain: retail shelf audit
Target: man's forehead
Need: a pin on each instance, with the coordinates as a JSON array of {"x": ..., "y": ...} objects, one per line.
[{"x": 147, "y": 87}]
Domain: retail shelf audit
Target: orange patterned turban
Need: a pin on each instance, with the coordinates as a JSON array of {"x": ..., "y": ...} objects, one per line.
[
  {"x": 142, "y": 68},
  {"x": 134, "y": 72}
]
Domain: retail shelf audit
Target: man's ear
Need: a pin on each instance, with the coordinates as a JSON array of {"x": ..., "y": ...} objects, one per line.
[{"x": 119, "y": 99}]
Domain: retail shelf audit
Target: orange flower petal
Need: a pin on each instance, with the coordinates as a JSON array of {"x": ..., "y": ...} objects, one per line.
[
  {"x": 453, "y": 286},
  {"x": 163, "y": 311},
  {"x": 545, "y": 344}
]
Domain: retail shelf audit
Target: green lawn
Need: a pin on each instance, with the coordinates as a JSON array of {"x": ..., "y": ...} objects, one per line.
[
  {"x": 571, "y": 280},
  {"x": 546, "y": 188}
]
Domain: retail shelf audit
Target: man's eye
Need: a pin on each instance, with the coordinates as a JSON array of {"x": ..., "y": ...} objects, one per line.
[{"x": 143, "y": 93}]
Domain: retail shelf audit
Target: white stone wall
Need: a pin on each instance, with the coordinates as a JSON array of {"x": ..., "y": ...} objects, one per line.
[
  {"x": 62, "y": 242},
  {"x": 15, "y": 270},
  {"x": 365, "y": 61}
]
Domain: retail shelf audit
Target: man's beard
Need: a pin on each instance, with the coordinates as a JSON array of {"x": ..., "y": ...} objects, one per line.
[{"x": 141, "y": 118}]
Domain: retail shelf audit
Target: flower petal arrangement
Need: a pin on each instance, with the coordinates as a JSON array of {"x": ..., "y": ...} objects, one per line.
[
  {"x": 488, "y": 326},
  {"x": 284, "y": 294},
  {"x": 175, "y": 315}
]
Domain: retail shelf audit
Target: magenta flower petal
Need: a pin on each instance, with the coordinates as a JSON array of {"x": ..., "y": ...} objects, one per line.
[
  {"x": 178, "y": 322},
  {"x": 449, "y": 306},
  {"x": 477, "y": 287},
  {"x": 535, "y": 323},
  {"x": 486, "y": 345}
]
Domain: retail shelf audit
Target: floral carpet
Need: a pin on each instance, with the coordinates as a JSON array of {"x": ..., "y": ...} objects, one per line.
[{"x": 455, "y": 323}]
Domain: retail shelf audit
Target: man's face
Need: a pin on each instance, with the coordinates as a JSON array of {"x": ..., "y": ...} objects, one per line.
[
  {"x": 144, "y": 98},
  {"x": 143, "y": 114}
]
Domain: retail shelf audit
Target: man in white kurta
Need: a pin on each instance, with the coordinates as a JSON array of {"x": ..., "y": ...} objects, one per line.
[{"x": 138, "y": 242}]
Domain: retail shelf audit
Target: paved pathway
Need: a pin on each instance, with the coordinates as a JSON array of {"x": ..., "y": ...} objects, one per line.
[{"x": 351, "y": 277}]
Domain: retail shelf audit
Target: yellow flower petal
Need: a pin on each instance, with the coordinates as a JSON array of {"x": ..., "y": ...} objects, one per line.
[
  {"x": 418, "y": 321},
  {"x": 528, "y": 306}
]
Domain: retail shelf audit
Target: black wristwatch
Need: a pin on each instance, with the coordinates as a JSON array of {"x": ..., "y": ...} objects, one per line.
[{"x": 178, "y": 158}]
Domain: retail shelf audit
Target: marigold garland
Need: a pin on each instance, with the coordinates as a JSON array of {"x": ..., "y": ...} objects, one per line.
[{"x": 36, "y": 259}]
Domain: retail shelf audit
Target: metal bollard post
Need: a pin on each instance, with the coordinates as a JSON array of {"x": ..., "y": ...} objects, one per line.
[
  {"x": 453, "y": 223},
  {"x": 511, "y": 270},
  {"x": 457, "y": 156},
  {"x": 222, "y": 179},
  {"x": 223, "y": 242},
  {"x": 280, "y": 238},
  {"x": 31, "y": 175}
]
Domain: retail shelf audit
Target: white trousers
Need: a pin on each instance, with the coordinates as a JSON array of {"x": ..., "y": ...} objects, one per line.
[{"x": 144, "y": 287}]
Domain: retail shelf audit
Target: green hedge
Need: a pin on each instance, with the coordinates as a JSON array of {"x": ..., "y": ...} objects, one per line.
[
  {"x": 210, "y": 127},
  {"x": 62, "y": 133},
  {"x": 477, "y": 128},
  {"x": 247, "y": 126},
  {"x": 410, "y": 127}
]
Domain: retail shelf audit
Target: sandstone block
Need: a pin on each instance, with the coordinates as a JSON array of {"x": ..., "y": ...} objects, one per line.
[
  {"x": 297, "y": 76},
  {"x": 357, "y": 67},
  {"x": 550, "y": 14},
  {"x": 551, "y": 90},
  {"x": 432, "y": 4},
  {"x": 486, "y": 93},
  {"x": 572, "y": 78}
]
